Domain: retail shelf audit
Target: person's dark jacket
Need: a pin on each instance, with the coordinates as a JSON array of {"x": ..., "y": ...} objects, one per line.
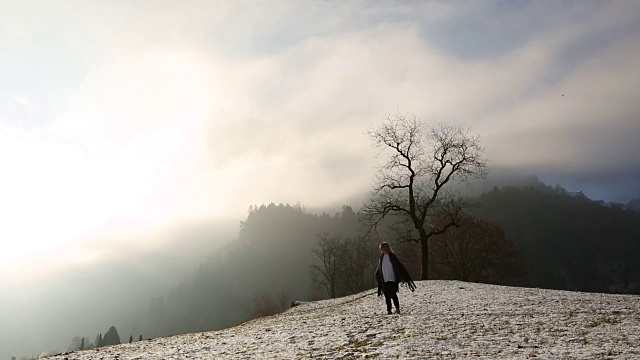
[{"x": 402, "y": 275}]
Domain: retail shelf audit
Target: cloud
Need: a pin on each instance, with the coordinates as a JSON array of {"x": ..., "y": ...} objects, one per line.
[
  {"x": 149, "y": 114},
  {"x": 590, "y": 110},
  {"x": 202, "y": 109},
  {"x": 346, "y": 80}
]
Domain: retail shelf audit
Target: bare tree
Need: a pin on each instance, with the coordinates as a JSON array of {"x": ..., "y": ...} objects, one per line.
[
  {"x": 329, "y": 251},
  {"x": 284, "y": 298},
  {"x": 76, "y": 344},
  {"x": 360, "y": 260},
  {"x": 264, "y": 305},
  {"x": 346, "y": 264},
  {"x": 476, "y": 251},
  {"x": 413, "y": 183}
]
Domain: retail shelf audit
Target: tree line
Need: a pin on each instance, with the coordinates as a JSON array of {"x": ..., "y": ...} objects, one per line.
[
  {"x": 283, "y": 253},
  {"x": 111, "y": 337},
  {"x": 567, "y": 241},
  {"x": 78, "y": 343},
  {"x": 258, "y": 273}
]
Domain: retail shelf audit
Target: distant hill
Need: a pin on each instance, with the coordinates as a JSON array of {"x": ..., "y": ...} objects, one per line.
[
  {"x": 268, "y": 261},
  {"x": 568, "y": 241},
  {"x": 442, "y": 319}
]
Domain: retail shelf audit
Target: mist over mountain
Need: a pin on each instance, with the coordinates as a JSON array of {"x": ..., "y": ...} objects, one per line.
[
  {"x": 43, "y": 314},
  {"x": 212, "y": 276},
  {"x": 273, "y": 251}
]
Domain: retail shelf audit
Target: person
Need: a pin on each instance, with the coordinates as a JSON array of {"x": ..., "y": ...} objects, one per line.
[{"x": 389, "y": 273}]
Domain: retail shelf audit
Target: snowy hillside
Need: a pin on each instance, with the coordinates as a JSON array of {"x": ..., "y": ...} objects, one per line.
[{"x": 442, "y": 319}]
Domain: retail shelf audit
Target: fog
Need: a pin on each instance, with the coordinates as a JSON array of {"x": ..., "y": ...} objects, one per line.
[
  {"x": 43, "y": 312},
  {"x": 123, "y": 124}
]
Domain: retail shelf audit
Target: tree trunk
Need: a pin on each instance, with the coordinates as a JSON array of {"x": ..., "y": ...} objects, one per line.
[{"x": 425, "y": 254}]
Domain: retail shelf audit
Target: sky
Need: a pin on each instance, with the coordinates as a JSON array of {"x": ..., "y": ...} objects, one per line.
[{"x": 121, "y": 119}]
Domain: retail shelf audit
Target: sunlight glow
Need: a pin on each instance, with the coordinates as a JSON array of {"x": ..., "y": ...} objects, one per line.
[{"x": 123, "y": 174}]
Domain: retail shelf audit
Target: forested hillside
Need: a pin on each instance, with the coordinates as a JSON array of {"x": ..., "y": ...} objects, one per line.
[
  {"x": 261, "y": 271},
  {"x": 568, "y": 241}
]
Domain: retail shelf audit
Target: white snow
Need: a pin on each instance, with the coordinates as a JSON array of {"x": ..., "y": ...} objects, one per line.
[{"x": 442, "y": 319}]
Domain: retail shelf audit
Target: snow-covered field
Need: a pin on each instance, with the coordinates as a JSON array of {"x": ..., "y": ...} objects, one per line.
[{"x": 442, "y": 319}]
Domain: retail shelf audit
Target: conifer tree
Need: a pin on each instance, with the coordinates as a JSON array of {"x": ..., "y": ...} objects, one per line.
[{"x": 111, "y": 337}]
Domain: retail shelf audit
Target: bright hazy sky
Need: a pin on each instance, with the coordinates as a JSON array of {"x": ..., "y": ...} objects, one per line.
[{"x": 120, "y": 118}]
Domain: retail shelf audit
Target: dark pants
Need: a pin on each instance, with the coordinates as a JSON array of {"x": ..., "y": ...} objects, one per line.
[{"x": 390, "y": 290}]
